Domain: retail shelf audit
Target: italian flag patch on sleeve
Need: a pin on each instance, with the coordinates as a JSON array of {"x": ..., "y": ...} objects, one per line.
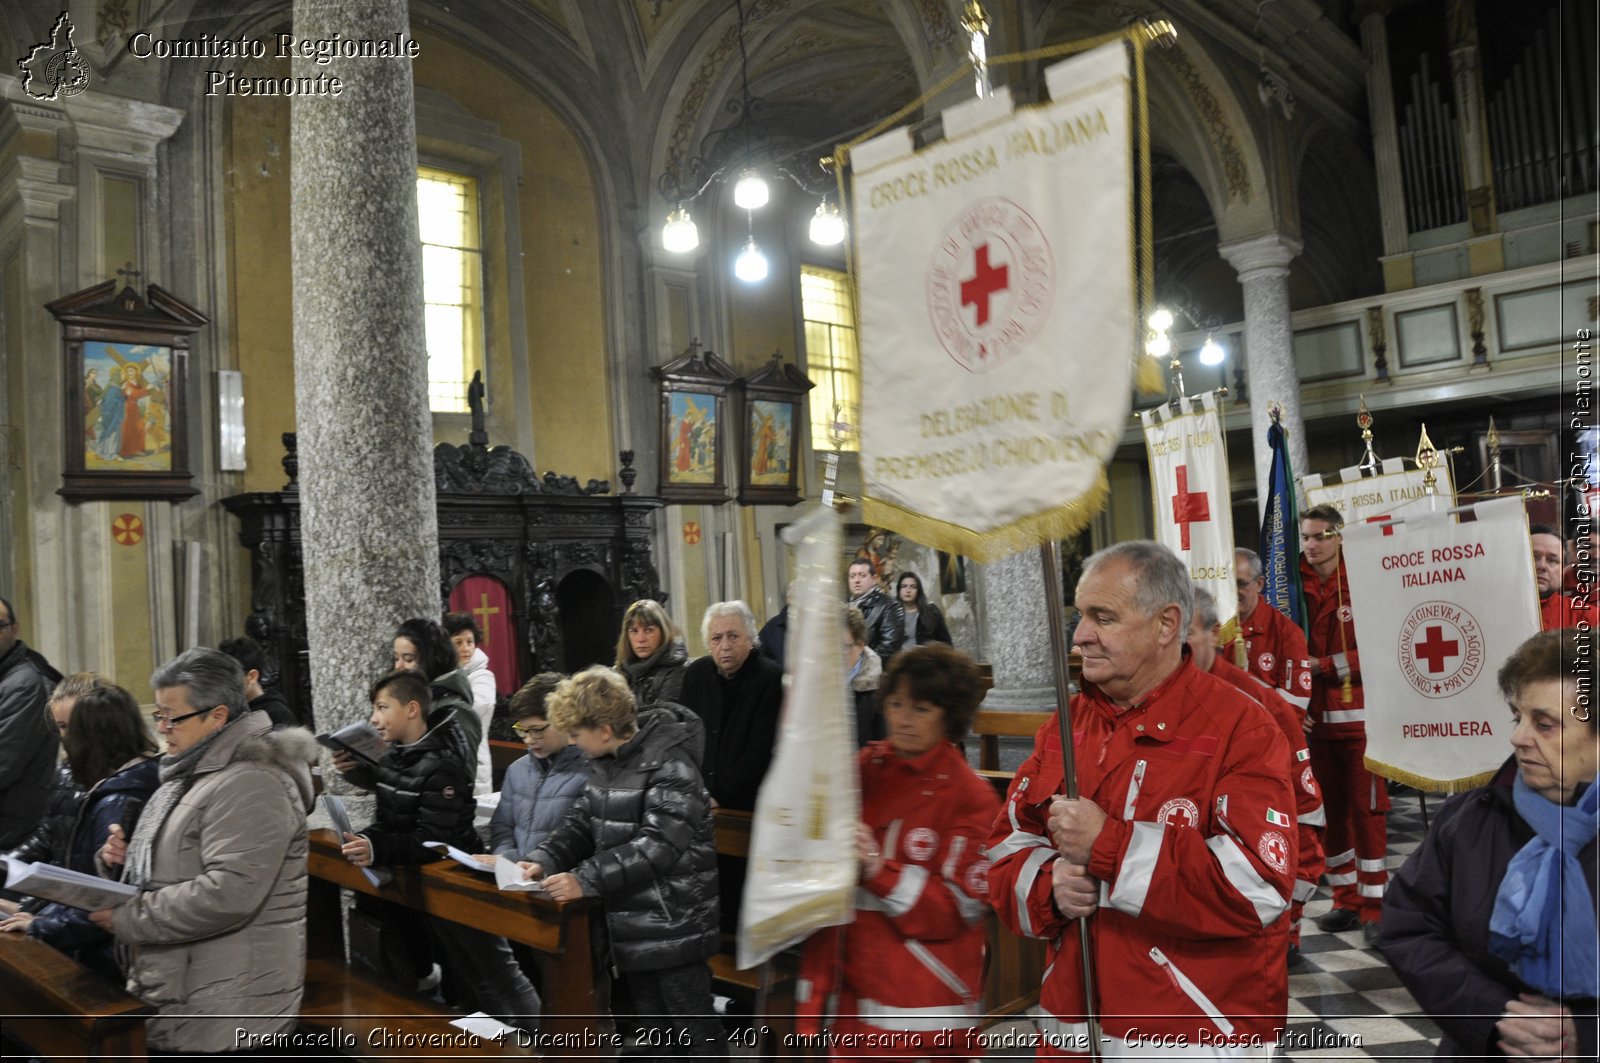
[{"x": 1276, "y": 818}]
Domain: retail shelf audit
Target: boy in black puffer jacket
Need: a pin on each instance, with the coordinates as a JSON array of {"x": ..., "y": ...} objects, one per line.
[
  {"x": 424, "y": 786},
  {"x": 640, "y": 838}
]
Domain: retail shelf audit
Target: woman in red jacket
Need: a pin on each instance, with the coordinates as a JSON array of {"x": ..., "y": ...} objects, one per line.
[{"x": 905, "y": 979}]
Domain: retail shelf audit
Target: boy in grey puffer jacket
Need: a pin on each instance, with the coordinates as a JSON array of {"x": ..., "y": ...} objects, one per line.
[
  {"x": 640, "y": 839},
  {"x": 538, "y": 789}
]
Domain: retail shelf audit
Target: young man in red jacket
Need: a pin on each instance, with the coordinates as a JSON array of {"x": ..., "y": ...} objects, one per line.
[
  {"x": 1171, "y": 851},
  {"x": 1356, "y": 800}
]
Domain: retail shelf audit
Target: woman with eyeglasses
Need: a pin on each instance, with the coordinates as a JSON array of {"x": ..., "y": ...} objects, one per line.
[
  {"x": 650, "y": 653},
  {"x": 113, "y": 757}
]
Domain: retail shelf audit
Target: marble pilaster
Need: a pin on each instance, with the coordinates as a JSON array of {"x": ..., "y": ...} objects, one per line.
[
  {"x": 1014, "y": 633},
  {"x": 370, "y": 531},
  {"x": 1263, "y": 266}
]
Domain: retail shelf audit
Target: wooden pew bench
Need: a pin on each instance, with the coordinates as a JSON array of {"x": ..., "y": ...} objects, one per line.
[
  {"x": 772, "y": 984},
  {"x": 382, "y": 1021},
  {"x": 60, "y": 1008}
]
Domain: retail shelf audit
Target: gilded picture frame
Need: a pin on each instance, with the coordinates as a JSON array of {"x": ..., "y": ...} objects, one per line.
[
  {"x": 694, "y": 422},
  {"x": 772, "y": 420}
]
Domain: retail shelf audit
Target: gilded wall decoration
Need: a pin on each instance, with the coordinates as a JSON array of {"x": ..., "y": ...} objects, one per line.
[{"x": 1234, "y": 171}]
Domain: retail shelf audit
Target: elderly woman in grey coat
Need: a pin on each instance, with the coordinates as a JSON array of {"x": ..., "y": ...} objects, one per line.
[{"x": 217, "y": 932}]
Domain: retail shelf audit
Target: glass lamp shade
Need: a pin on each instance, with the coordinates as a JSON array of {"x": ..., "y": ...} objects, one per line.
[
  {"x": 680, "y": 235},
  {"x": 827, "y": 225},
  {"x": 1158, "y": 346},
  {"x": 1161, "y": 319},
  {"x": 1211, "y": 353},
  {"x": 751, "y": 265},
  {"x": 751, "y": 191}
]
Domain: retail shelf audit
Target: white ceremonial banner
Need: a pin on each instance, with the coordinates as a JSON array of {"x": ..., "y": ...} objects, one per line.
[
  {"x": 996, "y": 305},
  {"x": 802, "y": 868},
  {"x": 1439, "y": 605},
  {"x": 1193, "y": 503},
  {"x": 1359, "y": 498}
]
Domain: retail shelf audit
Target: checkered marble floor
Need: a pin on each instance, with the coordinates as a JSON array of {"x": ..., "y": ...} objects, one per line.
[{"x": 1346, "y": 1003}]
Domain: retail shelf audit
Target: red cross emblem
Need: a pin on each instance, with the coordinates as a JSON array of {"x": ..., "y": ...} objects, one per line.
[
  {"x": 1435, "y": 649},
  {"x": 1188, "y": 507},
  {"x": 691, "y": 532},
  {"x": 988, "y": 280}
]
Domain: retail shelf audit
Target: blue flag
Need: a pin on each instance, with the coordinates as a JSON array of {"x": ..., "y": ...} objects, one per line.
[{"x": 1280, "y": 532}]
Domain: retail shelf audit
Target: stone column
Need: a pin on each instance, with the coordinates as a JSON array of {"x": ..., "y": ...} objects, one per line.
[
  {"x": 1014, "y": 634},
  {"x": 1263, "y": 265},
  {"x": 369, "y": 526}
]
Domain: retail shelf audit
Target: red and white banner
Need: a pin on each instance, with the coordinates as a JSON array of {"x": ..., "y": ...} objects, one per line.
[
  {"x": 1193, "y": 504},
  {"x": 803, "y": 867},
  {"x": 1440, "y": 603},
  {"x": 997, "y": 313},
  {"x": 1359, "y": 498}
]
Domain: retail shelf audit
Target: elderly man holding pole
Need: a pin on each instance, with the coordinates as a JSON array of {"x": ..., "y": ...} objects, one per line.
[{"x": 1180, "y": 852}]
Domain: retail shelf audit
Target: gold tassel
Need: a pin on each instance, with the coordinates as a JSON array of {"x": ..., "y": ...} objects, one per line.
[
  {"x": 1348, "y": 694},
  {"x": 1241, "y": 654}
]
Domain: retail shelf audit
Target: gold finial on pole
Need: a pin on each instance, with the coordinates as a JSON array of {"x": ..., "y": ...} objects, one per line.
[
  {"x": 1369, "y": 461},
  {"x": 1427, "y": 461}
]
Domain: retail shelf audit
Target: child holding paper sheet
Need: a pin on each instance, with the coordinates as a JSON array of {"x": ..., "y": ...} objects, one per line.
[{"x": 424, "y": 788}]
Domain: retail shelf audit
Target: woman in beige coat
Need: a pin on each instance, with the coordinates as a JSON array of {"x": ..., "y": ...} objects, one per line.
[{"x": 217, "y": 935}]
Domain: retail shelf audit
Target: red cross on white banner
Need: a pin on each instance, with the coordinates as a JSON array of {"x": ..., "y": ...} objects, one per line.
[
  {"x": 987, "y": 281},
  {"x": 1188, "y": 507},
  {"x": 1435, "y": 649}
]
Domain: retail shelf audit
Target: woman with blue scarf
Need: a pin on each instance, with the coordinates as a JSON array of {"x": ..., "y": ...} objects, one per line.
[{"x": 1492, "y": 923}]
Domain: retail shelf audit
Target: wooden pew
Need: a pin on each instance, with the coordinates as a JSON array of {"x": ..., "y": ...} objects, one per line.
[
  {"x": 338, "y": 998},
  {"x": 501, "y": 756},
  {"x": 773, "y": 983},
  {"x": 62, "y": 1009},
  {"x": 990, "y": 726}
]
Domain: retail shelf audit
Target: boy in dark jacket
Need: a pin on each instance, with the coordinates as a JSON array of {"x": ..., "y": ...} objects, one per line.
[
  {"x": 424, "y": 788},
  {"x": 640, "y": 839}
]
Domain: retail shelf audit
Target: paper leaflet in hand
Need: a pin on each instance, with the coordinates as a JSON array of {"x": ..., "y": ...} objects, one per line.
[
  {"x": 358, "y": 739},
  {"x": 508, "y": 876},
  {"x": 66, "y": 886},
  {"x": 334, "y": 805},
  {"x": 465, "y": 859}
]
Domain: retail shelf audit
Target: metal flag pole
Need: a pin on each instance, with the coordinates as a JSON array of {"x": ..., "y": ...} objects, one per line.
[{"x": 1050, "y": 558}]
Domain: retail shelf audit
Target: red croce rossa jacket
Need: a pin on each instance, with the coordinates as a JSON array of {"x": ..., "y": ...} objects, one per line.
[
  {"x": 1331, "y": 634},
  {"x": 912, "y": 962},
  {"x": 1275, "y": 653},
  {"x": 1189, "y": 940}
]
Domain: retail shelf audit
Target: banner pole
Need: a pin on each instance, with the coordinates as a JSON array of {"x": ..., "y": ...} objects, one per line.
[{"x": 1050, "y": 559}]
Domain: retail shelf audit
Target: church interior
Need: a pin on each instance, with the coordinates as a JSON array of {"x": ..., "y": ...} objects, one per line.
[{"x": 1379, "y": 204}]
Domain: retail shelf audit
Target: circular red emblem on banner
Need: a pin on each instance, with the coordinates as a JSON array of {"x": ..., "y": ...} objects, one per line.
[
  {"x": 1441, "y": 649},
  {"x": 991, "y": 282}
]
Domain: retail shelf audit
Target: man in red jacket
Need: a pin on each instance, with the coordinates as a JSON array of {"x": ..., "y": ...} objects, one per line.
[
  {"x": 1355, "y": 799},
  {"x": 1275, "y": 649},
  {"x": 1557, "y": 609},
  {"x": 1173, "y": 851},
  {"x": 1309, "y": 816}
]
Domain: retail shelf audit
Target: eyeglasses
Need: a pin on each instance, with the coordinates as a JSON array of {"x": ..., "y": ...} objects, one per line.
[
  {"x": 170, "y": 722},
  {"x": 535, "y": 731}
]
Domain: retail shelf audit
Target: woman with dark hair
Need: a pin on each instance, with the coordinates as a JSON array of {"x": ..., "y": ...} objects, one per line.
[
  {"x": 908, "y": 971},
  {"x": 650, "y": 653},
  {"x": 421, "y": 645},
  {"x": 465, "y": 637},
  {"x": 924, "y": 620},
  {"x": 1491, "y": 923},
  {"x": 114, "y": 759}
]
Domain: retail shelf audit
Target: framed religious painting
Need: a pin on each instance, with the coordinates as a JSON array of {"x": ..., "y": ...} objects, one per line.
[
  {"x": 772, "y": 415},
  {"x": 694, "y": 424},
  {"x": 125, "y": 417}
]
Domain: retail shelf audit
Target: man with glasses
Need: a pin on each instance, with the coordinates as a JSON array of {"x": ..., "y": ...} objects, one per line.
[
  {"x": 539, "y": 788},
  {"x": 1355, "y": 799},
  {"x": 1275, "y": 649},
  {"x": 28, "y": 742}
]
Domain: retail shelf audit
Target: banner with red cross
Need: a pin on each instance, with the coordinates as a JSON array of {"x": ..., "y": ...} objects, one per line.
[
  {"x": 996, "y": 283},
  {"x": 1440, "y": 601},
  {"x": 1359, "y": 498},
  {"x": 1193, "y": 504}
]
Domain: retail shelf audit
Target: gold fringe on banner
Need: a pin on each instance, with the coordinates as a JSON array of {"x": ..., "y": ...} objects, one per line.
[
  {"x": 1059, "y": 522},
  {"x": 772, "y": 934},
  {"x": 1230, "y": 632},
  {"x": 1422, "y": 782}
]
